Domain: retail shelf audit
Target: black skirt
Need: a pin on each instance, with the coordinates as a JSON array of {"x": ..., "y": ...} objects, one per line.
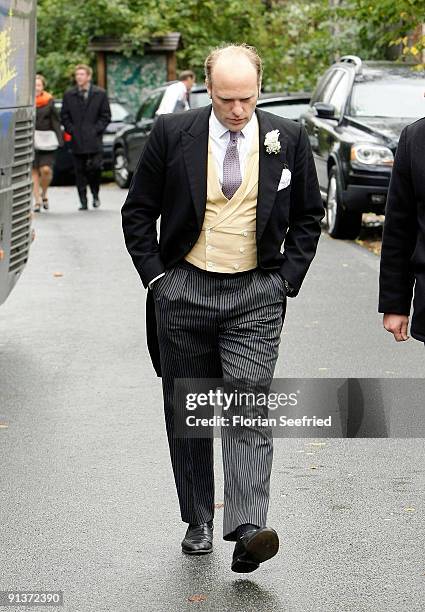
[{"x": 43, "y": 158}]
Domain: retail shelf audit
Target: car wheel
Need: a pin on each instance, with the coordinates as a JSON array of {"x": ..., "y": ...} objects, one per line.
[
  {"x": 342, "y": 223},
  {"x": 122, "y": 175}
]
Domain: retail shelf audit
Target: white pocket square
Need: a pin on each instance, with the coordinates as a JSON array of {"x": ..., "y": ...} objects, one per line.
[{"x": 285, "y": 179}]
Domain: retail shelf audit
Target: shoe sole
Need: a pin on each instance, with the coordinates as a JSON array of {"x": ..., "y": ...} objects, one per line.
[
  {"x": 262, "y": 547},
  {"x": 197, "y": 552}
]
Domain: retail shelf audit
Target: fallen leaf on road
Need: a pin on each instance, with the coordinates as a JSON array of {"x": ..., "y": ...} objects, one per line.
[
  {"x": 219, "y": 505},
  {"x": 193, "y": 598},
  {"x": 3, "y": 425},
  {"x": 57, "y": 274},
  {"x": 410, "y": 509},
  {"x": 371, "y": 245}
]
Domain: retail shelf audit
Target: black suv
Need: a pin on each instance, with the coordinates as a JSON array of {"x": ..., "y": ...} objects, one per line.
[{"x": 354, "y": 121}]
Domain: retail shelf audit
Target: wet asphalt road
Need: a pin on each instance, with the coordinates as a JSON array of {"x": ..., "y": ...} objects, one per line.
[{"x": 88, "y": 500}]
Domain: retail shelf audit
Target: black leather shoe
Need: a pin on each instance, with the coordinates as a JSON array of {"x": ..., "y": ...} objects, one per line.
[
  {"x": 96, "y": 202},
  {"x": 198, "y": 539},
  {"x": 254, "y": 547},
  {"x": 83, "y": 207}
]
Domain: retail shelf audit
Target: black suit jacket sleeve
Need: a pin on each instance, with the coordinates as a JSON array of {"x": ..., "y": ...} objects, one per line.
[
  {"x": 306, "y": 213},
  {"x": 65, "y": 116},
  {"x": 104, "y": 117},
  {"x": 143, "y": 204},
  {"x": 399, "y": 237}
]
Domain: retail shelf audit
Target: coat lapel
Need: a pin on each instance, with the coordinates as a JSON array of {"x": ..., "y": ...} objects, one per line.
[
  {"x": 270, "y": 170},
  {"x": 91, "y": 95},
  {"x": 195, "y": 153},
  {"x": 85, "y": 105}
]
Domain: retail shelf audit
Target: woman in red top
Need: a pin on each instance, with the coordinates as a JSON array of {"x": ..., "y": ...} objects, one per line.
[{"x": 46, "y": 119}]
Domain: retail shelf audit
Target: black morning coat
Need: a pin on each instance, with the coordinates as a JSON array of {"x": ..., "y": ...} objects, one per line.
[
  {"x": 87, "y": 121},
  {"x": 403, "y": 241},
  {"x": 171, "y": 181}
]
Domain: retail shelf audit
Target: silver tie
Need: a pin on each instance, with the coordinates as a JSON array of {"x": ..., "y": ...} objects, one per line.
[{"x": 232, "y": 177}]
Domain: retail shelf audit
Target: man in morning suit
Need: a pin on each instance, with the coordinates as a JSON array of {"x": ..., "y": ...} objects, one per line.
[
  {"x": 402, "y": 271},
  {"x": 218, "y": 279}
]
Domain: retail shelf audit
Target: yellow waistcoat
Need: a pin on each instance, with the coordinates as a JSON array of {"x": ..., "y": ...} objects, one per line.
[{"x": 227, "y": 240}]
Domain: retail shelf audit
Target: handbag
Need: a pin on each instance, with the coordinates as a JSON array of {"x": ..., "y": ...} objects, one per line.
[{"x": 45, "y": 140}]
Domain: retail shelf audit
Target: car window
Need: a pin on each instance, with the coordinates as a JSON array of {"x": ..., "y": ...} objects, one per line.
[
  {"x": 149, "y": 106},
  {"x": 198, "y": 99},
  {"x": 323, "y": 87},
  {"x": 289, "y": 110},
  {"x": 330, "y": 86},
  {"x": 391, "y": 97},
  {"x": 339, "y": 95},
  {"x": 317, "y": 92},
  {"x": 118, "y": 111}
]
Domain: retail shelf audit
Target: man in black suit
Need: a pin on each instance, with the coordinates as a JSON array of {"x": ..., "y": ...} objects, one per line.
[
  {"x": 85, "y": 114},
  {"x": 402, "y": 268},
  {"x": 231, "y": 184}
]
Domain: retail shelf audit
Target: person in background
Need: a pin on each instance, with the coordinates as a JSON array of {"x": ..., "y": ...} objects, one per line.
[
  {"x": 85, "y": 114},
  {"x": 176, "y": 97},
  {"x": 46, "y": 120},
  {"x": 402, "y": 269}
]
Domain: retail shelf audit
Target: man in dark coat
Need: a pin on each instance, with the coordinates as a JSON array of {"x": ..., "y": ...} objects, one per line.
[
  {"x": 85, "y": 114},
  {"x": 231, "y": 184},
  {"x": 402, "y": 271}
]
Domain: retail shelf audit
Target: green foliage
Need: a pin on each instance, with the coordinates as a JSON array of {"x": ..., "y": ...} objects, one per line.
[
  {"x": 64, "y": 30},
  {"x": 383, "y": 24},
  {"x": 297, "y": 44},
  {"x": 296, "y": 39}
]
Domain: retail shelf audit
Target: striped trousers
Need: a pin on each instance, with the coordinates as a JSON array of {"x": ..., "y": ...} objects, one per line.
[{"x": 227, "y": 326}]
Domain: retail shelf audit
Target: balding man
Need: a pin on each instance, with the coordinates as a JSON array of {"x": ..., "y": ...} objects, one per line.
[{"x": 231, "y": 184}]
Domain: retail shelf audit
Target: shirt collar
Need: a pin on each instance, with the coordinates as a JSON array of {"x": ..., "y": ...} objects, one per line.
[{"x": 218, "y": 129}]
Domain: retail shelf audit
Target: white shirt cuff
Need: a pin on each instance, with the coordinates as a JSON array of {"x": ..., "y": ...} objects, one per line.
[{"x": 150, "y": 283}]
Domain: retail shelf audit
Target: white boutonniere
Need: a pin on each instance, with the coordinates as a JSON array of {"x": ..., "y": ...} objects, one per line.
[{"x": 271, "y": 142}]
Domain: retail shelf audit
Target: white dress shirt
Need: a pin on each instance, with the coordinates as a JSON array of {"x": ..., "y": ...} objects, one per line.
[
  {"x": 219, "y": 139},
  {"x": 175, "y": 93}
]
